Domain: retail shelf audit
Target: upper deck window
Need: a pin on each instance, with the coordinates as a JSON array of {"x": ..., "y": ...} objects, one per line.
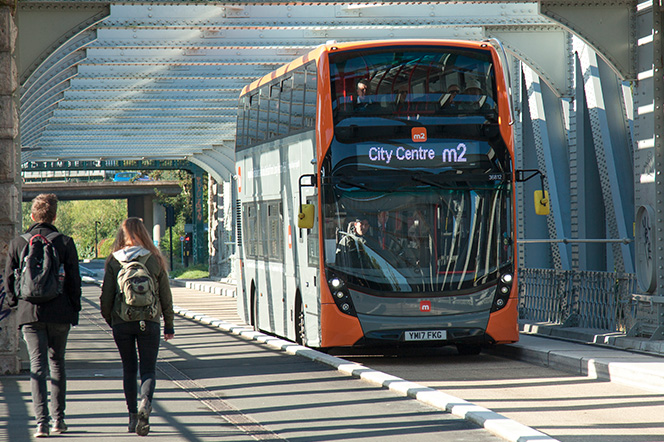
[{"x": 412, "y": 82}]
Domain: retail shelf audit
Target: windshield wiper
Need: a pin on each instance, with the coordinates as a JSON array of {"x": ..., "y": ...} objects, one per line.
[
  {"x": 429, "y": 182},
  {"x": 350, "y": 183}
]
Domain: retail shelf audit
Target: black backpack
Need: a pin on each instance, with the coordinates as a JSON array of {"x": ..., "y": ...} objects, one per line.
[{"x": 37, "y": 278}]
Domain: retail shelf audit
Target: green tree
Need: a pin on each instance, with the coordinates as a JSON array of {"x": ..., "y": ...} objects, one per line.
[
  {"x": 183, "y": 207},
  {"x": 77, "y": 219}
]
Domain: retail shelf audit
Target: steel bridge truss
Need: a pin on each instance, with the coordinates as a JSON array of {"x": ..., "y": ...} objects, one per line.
[{"x": 160, "y": 80}]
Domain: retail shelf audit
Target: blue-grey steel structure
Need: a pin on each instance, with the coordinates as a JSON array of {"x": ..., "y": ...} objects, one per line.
[{"x": 159, "y": 80}]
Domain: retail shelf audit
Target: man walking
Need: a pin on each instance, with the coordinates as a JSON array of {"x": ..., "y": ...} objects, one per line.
[{"x": 45, "y": 323}]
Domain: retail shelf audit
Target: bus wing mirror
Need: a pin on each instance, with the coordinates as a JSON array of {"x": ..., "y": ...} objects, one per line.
[
  {"x": 305, "y": 219},
  {"x": 542, "y": 206}
]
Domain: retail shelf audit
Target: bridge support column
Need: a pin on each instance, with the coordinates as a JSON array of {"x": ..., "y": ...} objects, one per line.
[
  {"x": 10, "y": 178},
  {"x": 159, "y": 224},
  {"x": 220, "y": 221},
  {"x": 142, "y": 207}
]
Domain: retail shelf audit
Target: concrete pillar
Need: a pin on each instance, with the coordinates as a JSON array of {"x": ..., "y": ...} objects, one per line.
[
  {"x": 214, "y": 252},
  {"x": 141, "y": 206},
  {"x": 159, "y": 220},
  {"x": 220, "y": 222},
  {"x": 10, "y": 177}
]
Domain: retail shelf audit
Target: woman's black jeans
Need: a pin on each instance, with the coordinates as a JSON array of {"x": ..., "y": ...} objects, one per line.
[{"x": 144, "y": 336}]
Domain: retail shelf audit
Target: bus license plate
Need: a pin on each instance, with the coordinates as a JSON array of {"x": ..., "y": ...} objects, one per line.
[{"x": 426, "y": 335}]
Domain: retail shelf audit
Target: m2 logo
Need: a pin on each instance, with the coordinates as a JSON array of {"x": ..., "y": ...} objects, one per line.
[
  {"x": 457, "y": 155},
  {"x": 425, "y": 306},
  {"x": 419, "y": 134}
]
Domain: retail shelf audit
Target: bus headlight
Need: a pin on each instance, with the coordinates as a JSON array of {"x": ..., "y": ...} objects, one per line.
[
  {"x": 336, "y": 283},
  {"x": 341, "y": 295},
  {"x": 503, "y": 291}
]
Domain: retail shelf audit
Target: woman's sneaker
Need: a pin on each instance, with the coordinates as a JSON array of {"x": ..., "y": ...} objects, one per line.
[
  {"x": 143, "y": 425},
  {"x": 133, "y": 421}
]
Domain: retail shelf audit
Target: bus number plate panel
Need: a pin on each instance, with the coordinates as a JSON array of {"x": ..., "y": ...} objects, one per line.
[{"x": 426, "y": 335}]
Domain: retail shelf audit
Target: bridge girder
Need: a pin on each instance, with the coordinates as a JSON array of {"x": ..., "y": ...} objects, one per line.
[
  {"x": 135, "y": 66},
  {"x": 159, "y": 80}
]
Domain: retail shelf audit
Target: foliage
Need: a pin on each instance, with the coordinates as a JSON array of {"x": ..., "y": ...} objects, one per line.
[
  {"x": 79, "y": 219},
  {"x": 183, "y": 207},
  {"x": 197, "y": 271}
]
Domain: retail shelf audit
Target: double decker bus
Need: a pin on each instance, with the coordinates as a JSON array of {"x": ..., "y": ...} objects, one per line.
[{"x": 376, "y": 197}]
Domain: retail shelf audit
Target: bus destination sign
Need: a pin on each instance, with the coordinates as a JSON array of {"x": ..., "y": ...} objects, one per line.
[{"x": 433, "y": 155}]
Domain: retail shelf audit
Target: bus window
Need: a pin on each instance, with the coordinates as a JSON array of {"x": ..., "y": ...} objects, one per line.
[
  {"x": 310, "y": 96},
  {"x": 263, "y": 108},
  {"x": 412, "y": 82},
  {"x": 275, "y": 233},
  {"x": 312, "y": 238},
  {"x": 252, "y": 121},
  {"x": 273, "y": 117},
  {"x": 284, "y": 106},
  {"x": 297, "y": 101}
]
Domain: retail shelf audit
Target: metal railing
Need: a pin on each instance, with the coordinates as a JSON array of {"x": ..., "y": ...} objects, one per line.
[{"x": 597, "y": 300}]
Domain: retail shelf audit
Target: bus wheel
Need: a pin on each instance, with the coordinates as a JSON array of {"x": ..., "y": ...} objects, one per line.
[
  {"x": 300, "y": 331},
  {"x": 469, "y": 349}
]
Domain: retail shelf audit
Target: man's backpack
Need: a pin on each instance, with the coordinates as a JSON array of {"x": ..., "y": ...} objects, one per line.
[
  {"x": 138, "y": 298},
  {"x": 37, "y": 279}
]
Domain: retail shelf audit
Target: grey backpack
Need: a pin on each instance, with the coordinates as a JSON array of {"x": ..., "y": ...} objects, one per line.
[{"x": 137, "y": 289}]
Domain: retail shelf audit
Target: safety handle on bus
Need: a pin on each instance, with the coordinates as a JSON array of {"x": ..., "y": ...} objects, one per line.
[
  {"x": 541, "y": 197},
  {"x": 305, "y": 218}
]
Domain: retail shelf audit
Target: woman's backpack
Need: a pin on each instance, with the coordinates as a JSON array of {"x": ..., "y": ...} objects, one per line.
[{"x": 137, "y": 300}]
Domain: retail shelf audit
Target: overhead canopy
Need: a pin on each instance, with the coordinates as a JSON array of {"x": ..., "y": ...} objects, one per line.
[{"x": 161, "y": 80}]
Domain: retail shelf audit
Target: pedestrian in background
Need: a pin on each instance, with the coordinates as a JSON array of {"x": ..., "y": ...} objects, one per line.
[
  {"x": 45, "y": 325},
  {"x": 137, "y": 327}
]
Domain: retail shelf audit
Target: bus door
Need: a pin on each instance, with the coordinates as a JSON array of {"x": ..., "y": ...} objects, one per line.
[{"x": 309, "y": 276}]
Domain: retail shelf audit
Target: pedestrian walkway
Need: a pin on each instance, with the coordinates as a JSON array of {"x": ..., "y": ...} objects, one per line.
[
  {"x": 610, "y": 358},
  {"x": 217, "y": 386},
  {"x": 581, "y": 406}
]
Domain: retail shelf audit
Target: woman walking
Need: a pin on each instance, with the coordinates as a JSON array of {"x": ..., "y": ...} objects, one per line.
[{"x": 134, "y": 295}]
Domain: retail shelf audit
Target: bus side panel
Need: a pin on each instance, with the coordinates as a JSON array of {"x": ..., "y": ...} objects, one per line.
[
  {"x": 271, "y": 176},
  {"x": 306, "y": 279},
  {"x": 296, "y": 156},
  {"x": 242, "y": 296},
  {"x": 338, "y": 329},
  {"x": 503, "y": 325},
  {"x": 245, "y": 279},
  {"x": 271, "y": 282}
]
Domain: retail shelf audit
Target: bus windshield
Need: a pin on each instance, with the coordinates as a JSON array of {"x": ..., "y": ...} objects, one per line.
[
  {"x": 412, "y": 82},
  {"x": 414, "y": 233}
]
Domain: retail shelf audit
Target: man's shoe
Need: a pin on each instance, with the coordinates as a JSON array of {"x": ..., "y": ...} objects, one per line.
[
  {"x": 42, "y": 430},
  {"x": 59, "y": 426},
  {"x": 143, "y": 425},
  {"x": 133, "y": 421}
]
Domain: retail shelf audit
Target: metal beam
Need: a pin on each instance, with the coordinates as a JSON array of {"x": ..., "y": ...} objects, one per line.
[
  {"x": 607, "y": 26},
  {"x": 45, "y": 26}
]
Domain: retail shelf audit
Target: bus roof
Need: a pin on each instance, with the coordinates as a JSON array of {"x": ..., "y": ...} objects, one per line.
[{"x": 327, "y": 47}]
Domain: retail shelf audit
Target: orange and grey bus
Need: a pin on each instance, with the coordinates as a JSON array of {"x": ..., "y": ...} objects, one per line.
[{"x": 376, "y": 196}]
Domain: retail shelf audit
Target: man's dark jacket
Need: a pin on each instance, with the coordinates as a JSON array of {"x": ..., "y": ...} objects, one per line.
[{"x": 63, "y": 309}]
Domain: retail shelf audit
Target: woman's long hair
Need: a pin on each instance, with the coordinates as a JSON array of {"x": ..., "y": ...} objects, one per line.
[{"x": 132, "y": 231}]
